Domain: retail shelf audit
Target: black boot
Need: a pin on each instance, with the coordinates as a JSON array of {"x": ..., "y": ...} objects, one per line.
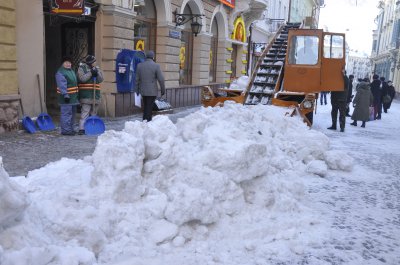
[
  {"x": 363, "y": 124},
  {"x": 332, "y": 128},
  {"x": 341, "y": 129},
  {"x": 354, "y": 123}
]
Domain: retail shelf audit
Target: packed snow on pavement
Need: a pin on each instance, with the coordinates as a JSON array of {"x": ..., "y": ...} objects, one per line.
[{"x": 234, "y": 185}]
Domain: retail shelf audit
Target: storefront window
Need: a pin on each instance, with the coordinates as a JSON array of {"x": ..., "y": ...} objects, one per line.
[
  {"x": 186, "y": 53},
  {"x": 234, "y": 58},
  {"x": 145, "y": 26},
  {"x": 213, "y": 52}
]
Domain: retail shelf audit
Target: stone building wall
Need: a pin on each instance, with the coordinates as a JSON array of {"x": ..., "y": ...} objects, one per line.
[{"x": 9, "y": 98}]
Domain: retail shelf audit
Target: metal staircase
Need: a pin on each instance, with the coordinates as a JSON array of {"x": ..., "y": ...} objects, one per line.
[{"x": 267, "y": 75}]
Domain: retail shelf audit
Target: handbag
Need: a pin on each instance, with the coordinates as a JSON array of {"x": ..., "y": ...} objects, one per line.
[
  {"x": 161, "y": 104},
  {"x": 138, "y": 100},
  {"x": 371, "y": 113},
  {"x": 386, "y": 99}
]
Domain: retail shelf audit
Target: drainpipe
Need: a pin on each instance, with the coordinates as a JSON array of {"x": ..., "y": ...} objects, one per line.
[{"x": 290, "y": 10}]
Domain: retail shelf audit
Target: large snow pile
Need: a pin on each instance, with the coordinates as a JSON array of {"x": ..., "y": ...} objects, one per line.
[{"x": 222, "y": 186}]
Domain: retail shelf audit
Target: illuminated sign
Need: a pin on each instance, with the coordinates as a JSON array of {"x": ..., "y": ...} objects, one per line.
[
  {"x": 230, "y": 3},
  {"x": 239, "y": 32},
  {"x": 71, "y": 7}
]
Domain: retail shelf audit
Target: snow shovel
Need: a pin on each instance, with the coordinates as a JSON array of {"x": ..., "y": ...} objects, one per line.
[
  {"x": 27, "y": 122},
  {"x": 94, "y": 125},
  {"x": 44, "y": 121}
]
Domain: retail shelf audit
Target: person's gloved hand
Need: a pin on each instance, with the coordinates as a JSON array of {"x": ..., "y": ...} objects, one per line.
[
  {"x": 66, "y": 99},
  {"x": 94, "y": 72}
]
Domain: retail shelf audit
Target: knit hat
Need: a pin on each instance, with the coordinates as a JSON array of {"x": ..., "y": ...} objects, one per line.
[
  {"x": 66, "y": 59},
  {"x": 90, "y": 59},
  {"x": 150, "y": 54}
]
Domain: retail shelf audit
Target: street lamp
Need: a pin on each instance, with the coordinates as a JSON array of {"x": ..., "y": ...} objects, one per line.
[{"x": 181, "y": 19}]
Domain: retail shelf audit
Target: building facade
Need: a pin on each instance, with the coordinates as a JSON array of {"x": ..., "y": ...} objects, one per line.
[
  {"x": 39, "y": 33},
  {"x": 358, "y": 66},
  {"x": 386, "y": 42}
]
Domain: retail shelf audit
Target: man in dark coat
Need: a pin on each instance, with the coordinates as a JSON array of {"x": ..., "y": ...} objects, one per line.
[
  {"x": 148, "y": 73},
  {"x": 376, "y": 90},
  {"x": 338, "y": 101},
  {"x": 391, "y": 92},
  {"x": 349, "y": 95}
]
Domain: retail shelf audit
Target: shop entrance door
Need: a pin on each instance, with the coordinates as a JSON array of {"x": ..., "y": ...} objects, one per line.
[{"x": 65, "y": 38}]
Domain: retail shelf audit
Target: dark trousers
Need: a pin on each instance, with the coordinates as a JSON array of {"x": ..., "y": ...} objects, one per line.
[
  {"x": 148, "y": 103},
  {"x": 67, "y": 118},
  {"x": 340, "y": 107},
  {"x": 377, "y": 109}
]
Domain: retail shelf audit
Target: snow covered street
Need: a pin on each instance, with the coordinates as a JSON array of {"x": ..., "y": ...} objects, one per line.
[{"x": 236, "y": 185}]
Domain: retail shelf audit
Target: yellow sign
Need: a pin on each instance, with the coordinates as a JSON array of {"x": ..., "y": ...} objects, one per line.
[
  {"x": 182, "y": 57},
  {"x": 139, "y": 45},
  {"x": 239, "y": 30}
]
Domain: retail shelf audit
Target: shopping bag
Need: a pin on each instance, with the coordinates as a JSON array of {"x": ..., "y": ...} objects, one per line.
[
  {"x": 138, "y": 100},
  {"x": 161, "y": 104},
  {"x": 371, "y": 113}
]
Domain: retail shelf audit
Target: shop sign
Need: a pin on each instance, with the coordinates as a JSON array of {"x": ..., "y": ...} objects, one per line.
[
  {"x": 230, "y": 3},
  {"x": 70, "y": 7},
  {"x": 175, "y": 34},
  {"x": 239, "y": 32}
]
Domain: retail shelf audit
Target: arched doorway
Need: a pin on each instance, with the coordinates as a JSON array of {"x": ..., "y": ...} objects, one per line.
[
  {"x": 212, "y": 77},
  {"x": 186, "y": 52},
  {"x": 145, "y": 25}
]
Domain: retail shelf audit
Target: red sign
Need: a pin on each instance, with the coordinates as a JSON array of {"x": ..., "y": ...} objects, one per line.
[
  {"x": 230, "y": 3},
  {"x": 71, "y": 7}
]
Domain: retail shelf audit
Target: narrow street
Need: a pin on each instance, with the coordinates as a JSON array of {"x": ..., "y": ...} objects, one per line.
[{"x": 364, "y": 205}]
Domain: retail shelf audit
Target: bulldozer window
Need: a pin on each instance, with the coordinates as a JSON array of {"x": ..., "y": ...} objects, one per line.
[
  {"x": 333, "y": 46},
  {"x": 304, "y": 50}
]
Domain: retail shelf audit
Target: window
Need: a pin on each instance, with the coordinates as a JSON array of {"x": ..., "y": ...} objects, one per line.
[
  {"x": 333, "y": 46},
  {"x": 304, "y": 50}
]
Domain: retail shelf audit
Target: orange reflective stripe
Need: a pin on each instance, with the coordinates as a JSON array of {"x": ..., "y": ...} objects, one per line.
[
  {"x": 70, "y": 90},
  {"x": 88, "y": 85}
]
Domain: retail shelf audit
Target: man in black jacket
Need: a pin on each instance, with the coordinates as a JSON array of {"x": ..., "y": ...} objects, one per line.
[
  {"x": 349, "y": 95},
  {"x": 376, "y": 89},
  {"x": 339, "y": 101}
]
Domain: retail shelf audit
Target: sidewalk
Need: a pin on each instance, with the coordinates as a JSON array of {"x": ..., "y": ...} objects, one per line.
[{"x": 23, "y": 152}]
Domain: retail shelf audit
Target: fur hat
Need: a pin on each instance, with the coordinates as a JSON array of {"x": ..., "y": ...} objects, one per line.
[
  {"x": 90, "y": 59},
  {"x": 150, "y": 54}
]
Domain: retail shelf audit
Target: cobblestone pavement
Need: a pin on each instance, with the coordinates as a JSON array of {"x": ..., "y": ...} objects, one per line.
[{"x": 23, "y": 152}]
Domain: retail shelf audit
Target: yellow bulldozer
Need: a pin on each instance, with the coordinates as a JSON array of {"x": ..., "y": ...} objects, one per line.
[{"x": 291, "y": 71}]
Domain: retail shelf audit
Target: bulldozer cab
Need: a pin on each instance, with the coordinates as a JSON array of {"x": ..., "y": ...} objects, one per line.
[{"x": 314, "y": 61}]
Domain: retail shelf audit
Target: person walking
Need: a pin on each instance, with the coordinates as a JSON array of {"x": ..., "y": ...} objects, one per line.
[
  {"x": 376, "y": 90},
  {"x": 349, "y": 95},
  {"x": 67, "y": 90},
  {"x": 338, "y": 101},
  {"x": 323, "y": 97},
  {"x": 147, "y": 75},
  {"x": 90, "y": 76},
  {"x": 361, "y": 103},
  {"x": 390, "y": 93}
]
